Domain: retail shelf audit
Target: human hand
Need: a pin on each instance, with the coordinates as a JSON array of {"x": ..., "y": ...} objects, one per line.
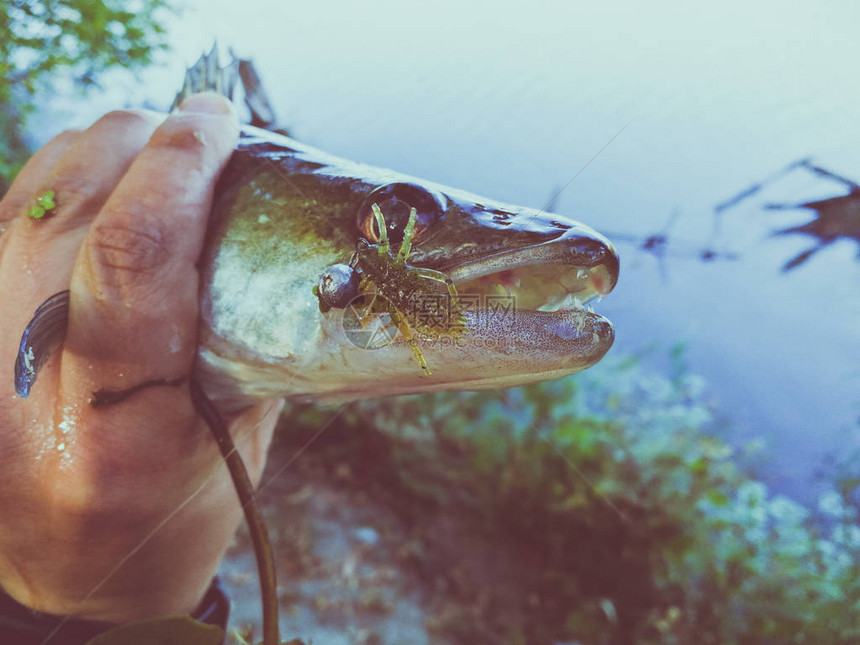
[{"x": 123, "y": 511}]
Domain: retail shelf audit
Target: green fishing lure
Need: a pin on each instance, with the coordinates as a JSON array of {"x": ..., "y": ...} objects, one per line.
[{"x": 382, "y": 283}]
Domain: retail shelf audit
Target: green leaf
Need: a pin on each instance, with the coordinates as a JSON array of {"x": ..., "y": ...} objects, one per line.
[
  {"x": 717, "y": 498},
  {"x": 173, "y": 630}
]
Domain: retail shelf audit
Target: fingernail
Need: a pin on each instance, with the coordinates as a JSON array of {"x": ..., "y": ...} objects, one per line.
[{"x": 206, "y": 103}]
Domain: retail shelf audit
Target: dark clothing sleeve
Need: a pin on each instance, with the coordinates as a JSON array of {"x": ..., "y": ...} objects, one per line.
[{"x": 20, "y": 625}]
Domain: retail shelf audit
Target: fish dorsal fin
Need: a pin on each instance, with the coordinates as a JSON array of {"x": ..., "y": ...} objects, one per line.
[{"x": 207, "y": 75}]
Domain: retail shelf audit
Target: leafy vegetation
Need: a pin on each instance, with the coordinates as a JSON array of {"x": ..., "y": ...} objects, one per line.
[
  {"x": 42, "y": 39},
  {"x": 173, "y": 630},
  {"x": 619, "y": 518}
]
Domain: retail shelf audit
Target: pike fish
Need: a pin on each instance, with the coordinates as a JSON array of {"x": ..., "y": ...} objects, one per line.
[{"x": 286, "y": 213}]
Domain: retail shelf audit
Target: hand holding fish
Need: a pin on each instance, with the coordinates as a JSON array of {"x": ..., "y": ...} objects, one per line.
[{"x": 108, "y": 448}]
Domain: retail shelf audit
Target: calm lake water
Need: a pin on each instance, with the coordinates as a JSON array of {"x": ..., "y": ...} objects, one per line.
[{"x": 512, "y": 103}]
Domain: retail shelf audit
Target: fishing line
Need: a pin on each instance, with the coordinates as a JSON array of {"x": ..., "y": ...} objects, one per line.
[
  {"x": 597, "y": 154},
  {"x": 301, "y": 450}
]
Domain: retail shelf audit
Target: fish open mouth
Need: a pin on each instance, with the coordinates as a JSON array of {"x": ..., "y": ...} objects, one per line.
[
  {"x": 561, "y": 277},
  {"x": 531, "y": 309},
  {"x": 532, "y": 318},
  {"x": 547, "y": 287}
]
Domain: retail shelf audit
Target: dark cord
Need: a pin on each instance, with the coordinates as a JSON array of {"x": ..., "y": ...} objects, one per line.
[{"x": 245, "y": 489}]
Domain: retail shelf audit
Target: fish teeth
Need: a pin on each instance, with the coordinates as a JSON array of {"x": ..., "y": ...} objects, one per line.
[
  {"x": 581, "y": 274},
  {"x": 569, "y": 302}
]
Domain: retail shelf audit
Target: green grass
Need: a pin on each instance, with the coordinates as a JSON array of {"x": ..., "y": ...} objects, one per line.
[{"x": 633, "y": 523}]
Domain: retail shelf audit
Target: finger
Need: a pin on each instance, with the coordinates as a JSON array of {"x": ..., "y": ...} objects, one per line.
[
  {"x": 81, "y": 179},
  {"x": 19, "y": 197},
  {"x": 89, "y": 170},
  {"x": 134, "y": 288}
]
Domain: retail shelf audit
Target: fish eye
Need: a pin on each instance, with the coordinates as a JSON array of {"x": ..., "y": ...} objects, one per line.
[
  {"x": 395, "y": 200},
  {"x": 337, "y": 287}
]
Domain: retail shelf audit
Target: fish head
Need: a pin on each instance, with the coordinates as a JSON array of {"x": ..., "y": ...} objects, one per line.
[{"x": 285, "y": 214}]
